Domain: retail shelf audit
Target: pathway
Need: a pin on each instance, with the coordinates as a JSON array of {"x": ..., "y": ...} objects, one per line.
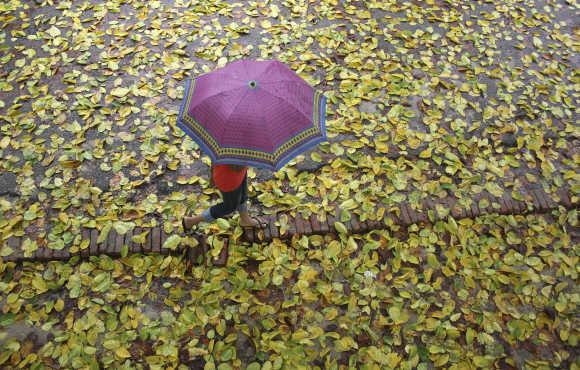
[{"x": 536, "y": 201}]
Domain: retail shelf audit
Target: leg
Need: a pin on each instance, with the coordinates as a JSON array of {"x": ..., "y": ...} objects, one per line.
[
  {"x": 245, "y": 219},
  {"x": 243, "y": 206},
  {"x": 230, "y": 202}
]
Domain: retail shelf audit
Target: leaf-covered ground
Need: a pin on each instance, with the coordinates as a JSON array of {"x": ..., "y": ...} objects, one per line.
[
  {"x": 499, "y": 292},
  {"x": 426, "y": 99}
]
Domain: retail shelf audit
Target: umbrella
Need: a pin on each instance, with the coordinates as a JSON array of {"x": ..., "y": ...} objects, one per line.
[{"x": 253, "y": 113}]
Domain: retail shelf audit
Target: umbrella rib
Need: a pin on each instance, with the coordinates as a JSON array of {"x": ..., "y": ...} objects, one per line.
[
  {"x": 265, "y": 128},
  {"x": 265, "y": 70},
  {"x": 232, "y": 112},
  {"x": 285, "y": 81},
  {"x": 245, "y": 66},
  {"x": 295, "y": 108}
]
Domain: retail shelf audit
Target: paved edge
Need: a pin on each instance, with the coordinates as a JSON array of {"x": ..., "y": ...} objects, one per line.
[{"x": 534, "y": 201}]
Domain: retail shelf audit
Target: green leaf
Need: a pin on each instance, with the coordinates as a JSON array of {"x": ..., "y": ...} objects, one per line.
[
  {"x": 120, "y": 92},
  {"x": 333, "y": 249},
  {"x": 123, "y": 228},
  {"x": 483, "y": 362},
  {"x": 7, "y": 319},
  {"x": 53, "y": 31},
  {"x": 339, "y": 226},
  {"x": 140, "y": 238},
  {"x": 168, "y": 349},
  {"x": 345, "y": 344},
  {"x": 39, "y": 283},
  {"x": 397, "y": 315},
  {"x": 392, "y": 360},
  {"x": 227, "y": 354},
  {"x": 104, "y": 233},
  {"x": 31, "y": 213},
  {"x": 6, "y": 251},
  {"x": 349, "y": 204},
  {"x": 452, "y": 225},
  {"x": 124, "y": 250},
  {"x": 122, "y": 352},
  {"x": 223, "y": 224},
  {"x": 172, "y": 242}
]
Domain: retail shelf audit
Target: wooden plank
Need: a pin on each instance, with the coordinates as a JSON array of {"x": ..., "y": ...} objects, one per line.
[
  {"x": 156, "y": 240},
  {"x": 14, "y": 243},
  {"x": 61, "y": 254},
  {"x": 111, "y": 240},
  {"x": 128, "y": 241},
  {"x": 222, "y": 259},
  {"x": 137, "y": 247},
  {"x": 405, "y": 217},
  {"x": 299, "y": 222},
  {"x": 147, "y": 247},
  {"x": 119, "y": 241},
  {"x": 565, "y": 199},
  {"x": 273, "y": 228},
  {"x": 315, "y": 224},
  {"x": 330, "y": 220},
  {"x": 324, "y": 226},
  {"x": 93, "y": 247},
  {"x": 45, "y": 253},
  {"x": 475, "y": 209},
  {"x": 541, "y": 199},
  {"x": 506, "y": 205},
  {"x": 356, "y": 225},
  {"x": 291, "y": 227},
  {"x": 164, "y": 237},
  {"x": 266, "y": 231}
]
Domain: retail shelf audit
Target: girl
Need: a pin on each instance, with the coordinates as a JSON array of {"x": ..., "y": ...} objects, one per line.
[{"x": 232, "y": 181}]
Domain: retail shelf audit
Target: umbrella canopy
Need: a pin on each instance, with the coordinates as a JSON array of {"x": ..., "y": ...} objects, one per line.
[{"x": 253, "y": 113}]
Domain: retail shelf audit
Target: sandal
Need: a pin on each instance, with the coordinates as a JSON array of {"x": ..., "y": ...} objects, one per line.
[
  {"x": 261, "y": 224},
  {"x": 185, "y": 229}
]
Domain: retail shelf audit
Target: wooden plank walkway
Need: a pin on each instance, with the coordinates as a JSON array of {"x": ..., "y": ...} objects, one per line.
[{"x": 537, "y": 201}]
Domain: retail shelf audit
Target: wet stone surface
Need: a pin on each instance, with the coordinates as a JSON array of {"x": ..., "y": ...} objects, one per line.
[{"x": 8, "y": 184}]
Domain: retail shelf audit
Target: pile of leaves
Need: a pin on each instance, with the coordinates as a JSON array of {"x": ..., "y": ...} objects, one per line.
[{"x": 495, "y": 292}]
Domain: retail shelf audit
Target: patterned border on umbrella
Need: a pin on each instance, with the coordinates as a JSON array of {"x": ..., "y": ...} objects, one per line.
[{"x": 302, "y": 141}]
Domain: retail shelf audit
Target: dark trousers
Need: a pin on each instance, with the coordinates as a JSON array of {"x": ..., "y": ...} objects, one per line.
[{"x": 234, "y": 200}]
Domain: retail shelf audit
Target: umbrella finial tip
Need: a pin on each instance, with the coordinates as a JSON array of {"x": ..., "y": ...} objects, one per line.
[{"x": 253, "y": 84}]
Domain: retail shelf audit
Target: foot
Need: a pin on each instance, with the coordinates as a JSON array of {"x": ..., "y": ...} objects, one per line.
[
  {"x": 248, "y": 221},
  {"x": 189, "y": 222}
]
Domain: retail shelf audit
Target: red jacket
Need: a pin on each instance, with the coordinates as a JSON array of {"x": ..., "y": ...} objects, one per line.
[{"x": 227, "y": 179}]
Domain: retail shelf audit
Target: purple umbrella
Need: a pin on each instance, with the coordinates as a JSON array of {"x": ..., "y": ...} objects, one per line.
[{"x": 253, "y": 113}]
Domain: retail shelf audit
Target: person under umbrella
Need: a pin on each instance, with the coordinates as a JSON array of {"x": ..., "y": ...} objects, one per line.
[
  {"x": 232, "y": 182},
  {"x": 249, "y": 113}
]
